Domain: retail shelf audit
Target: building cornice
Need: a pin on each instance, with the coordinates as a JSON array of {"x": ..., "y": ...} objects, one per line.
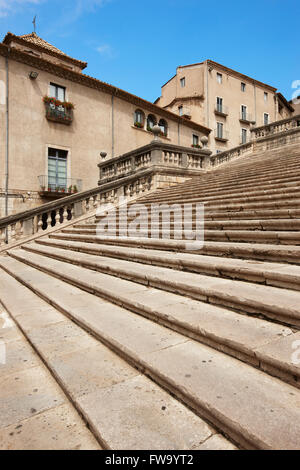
[
  {"x": 86, "y": 80},
  {"x": 239, "y": 75},
  {"x": 185, "y": 98},
  {"x": 11, "y": 37}
]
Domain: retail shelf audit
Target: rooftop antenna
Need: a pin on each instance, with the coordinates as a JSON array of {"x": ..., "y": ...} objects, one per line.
[{"x": 34, "y": 23}]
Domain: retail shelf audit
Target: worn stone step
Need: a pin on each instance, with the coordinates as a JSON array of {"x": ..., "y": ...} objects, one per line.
[
  {"x": 35, "y": 414},
  {"x": 225, "y": 397},
  {"x": 274, "y": 274},
  {"x": 195, "y": 184},
  {"x": 271, "y": 302},
  {"x": 255, "y": 251},
  {"x": 240, "y": 197},
  {"x": 97, "y": 380},
  {"x": 224, "y": 190},
  {"x": 254, "y": 236},
  {"x": 261, "y": 224}
]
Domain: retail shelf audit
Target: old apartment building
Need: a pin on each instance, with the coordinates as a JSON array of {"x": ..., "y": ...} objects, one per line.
[
  {"x": 224, "y": 100},
  {"x": 55, "y": 121}
]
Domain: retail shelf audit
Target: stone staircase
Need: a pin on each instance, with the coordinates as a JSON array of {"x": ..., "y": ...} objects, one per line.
[{"x": 158, "y": 347}]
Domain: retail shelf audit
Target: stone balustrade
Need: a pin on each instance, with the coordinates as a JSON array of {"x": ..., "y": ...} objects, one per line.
[
  {"x": 54, "y": 214},
  {"x": 275, "y": 127},
  {"x": 155, "y": 155}
]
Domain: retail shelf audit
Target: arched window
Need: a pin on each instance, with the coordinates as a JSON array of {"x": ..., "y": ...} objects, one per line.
[
  {"x": 139, "y": 118},
  {"x": 151, "y": 122},
  {"x": 164, "y": 127}
]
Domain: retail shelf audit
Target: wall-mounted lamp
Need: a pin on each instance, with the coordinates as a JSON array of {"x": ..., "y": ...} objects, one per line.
[
  {"x": 33, "y": 75},
  {"x": 103, "y": 155}
]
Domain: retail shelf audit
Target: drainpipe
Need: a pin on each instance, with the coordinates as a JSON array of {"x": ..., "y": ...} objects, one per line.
[
  {"x": 207, "y": 97},
  {"x": 7, "y": 142},
  {"x": 112, "y": 128}
]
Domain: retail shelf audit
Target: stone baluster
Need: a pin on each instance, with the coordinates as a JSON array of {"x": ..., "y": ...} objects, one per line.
[
  {"x": 2, "y": 236},
  {"x": 13, "y": 232},
  {"x": 65, "y": 214}
]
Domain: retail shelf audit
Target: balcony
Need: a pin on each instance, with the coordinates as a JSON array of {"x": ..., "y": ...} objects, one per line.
[
  {"x": 246, "y": 118},
  {"x": 57, "y": 111},
  {"x": 60, "y": 188},
  {"x": 221, "y": 136},
  {"x": 221, "y": 110},
  {"x": 185, "y": 113}
]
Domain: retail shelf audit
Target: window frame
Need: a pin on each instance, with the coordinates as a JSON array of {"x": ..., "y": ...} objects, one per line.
[
  {"x": 182, "y": 82},
  {"x": 219, "y": 78},
  {"x": 268, "y": 115},
  {"x": 243, "y": 87},
  {"x": 57, "y": 87}
]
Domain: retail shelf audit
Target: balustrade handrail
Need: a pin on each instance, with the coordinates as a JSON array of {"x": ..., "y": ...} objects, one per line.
[
  {"x": 276, "y": 123},
  {"x": 155, "y": 145}
]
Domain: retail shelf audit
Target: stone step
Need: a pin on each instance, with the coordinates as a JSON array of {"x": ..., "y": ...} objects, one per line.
[
  {"x": 217, "y": 193},
  {"x": 275, "y": 303},
  {"x": 273, "y": 274},
  {"x": 96, "y": 379},
  {"x": 254, "y": 236},
  {"x": 230, "y": 215},
  {"x": 210, "y": 180},
  {"x": 196, "y": 184},
  {"x": 254, "y": 251},
  {"x": 240, "y": 224},
  {"x": 35, "y": 414},
  {"x": 225, "y": 397},
  {"x": 200, "y": 190}
]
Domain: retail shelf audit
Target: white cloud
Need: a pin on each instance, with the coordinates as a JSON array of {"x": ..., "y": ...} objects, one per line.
[
  {"x": 10, "y": 6},
  {"x": 105, "y": 50},
  {"x": 81, "y": 6}
]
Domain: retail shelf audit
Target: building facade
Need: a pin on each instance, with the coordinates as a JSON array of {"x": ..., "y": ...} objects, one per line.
[
  {"x": 55, "y": 121},
  {"x": 224, "y": 100}
]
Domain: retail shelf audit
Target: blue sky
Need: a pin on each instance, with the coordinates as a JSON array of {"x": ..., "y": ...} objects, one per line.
[{"x": 137, "y": 45}]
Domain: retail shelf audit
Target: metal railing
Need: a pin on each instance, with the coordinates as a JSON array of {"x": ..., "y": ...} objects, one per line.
[
  {"x": 59, "y": 113},
  {"x": 221, "y": 134},
  {"x": 221, "y": 109},
  {"x": 246, "y": 117},
  {"x": 59, "y": 185}
]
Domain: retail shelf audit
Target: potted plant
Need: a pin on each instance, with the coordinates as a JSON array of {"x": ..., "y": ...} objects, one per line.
[
  {"x": 75, "y": 190},
  {"x": 70, "y": 188},
  {"x": 49, "y": 189},
  {"x": 139, "y": 125}
]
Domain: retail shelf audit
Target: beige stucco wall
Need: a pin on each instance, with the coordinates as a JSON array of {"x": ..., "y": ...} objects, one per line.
[
  {"x": 201, "y": 79},
  {"x": 30, "y": 133}
]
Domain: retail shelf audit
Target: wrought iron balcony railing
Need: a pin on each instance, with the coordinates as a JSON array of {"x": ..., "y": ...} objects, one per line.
[
  {"x": 59, "y": 186},
  {"x": 246, "y": 117},
  {"x": 59, "y": 113},
  {"x": 221, "y": 134},
  {"x": 221, "y": 109}
]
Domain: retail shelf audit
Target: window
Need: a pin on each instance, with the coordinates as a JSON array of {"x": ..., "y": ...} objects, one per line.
[
  {"x": 266, "y": 119},
  {"x": 182, "y": 82},
  {"x": 195, "y": 140},
  {"x": 219, "y": 151},
  {"x": 139, "y": 118},
  {"x": 220, "y": 104},
  {"x": 180, "y": 109},
  {"x": 219, "y": 78},
  {"x": 57, "y": 92},
  {"x": 243, "y": 87},
  {"x": 244, "y": 112},
  {"x": 57, "y": 169},
  {"x": 266, "y": 97},
  {"x": 164, "y": 127},
  {"x": 244, "y": 136},
  {"x": 151, "y": 122},
  {"x": 220, "y": 130}
]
